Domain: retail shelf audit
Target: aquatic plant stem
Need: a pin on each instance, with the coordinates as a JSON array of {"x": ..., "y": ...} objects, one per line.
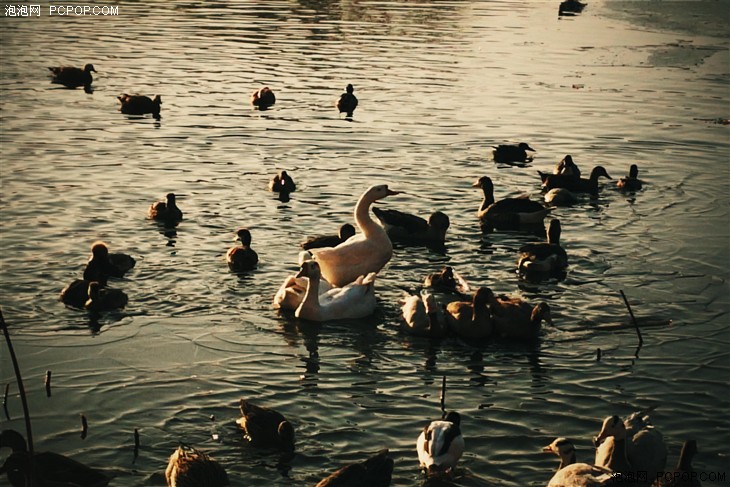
[
  {"x": 443, "y": 397},
  {"x": 21, "y": 390},
  {"x": 633, "y": 319}
]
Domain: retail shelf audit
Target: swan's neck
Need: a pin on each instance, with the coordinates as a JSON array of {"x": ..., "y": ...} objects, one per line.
[{"x": 362, "y": 216}]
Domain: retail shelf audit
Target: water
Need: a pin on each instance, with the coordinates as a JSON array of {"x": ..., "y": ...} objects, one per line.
[{"x": 438, "y": 84}]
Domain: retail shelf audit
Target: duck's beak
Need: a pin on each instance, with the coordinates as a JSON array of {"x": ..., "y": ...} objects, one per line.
[
  {"x": 547, "y": 449},
  {"x": 475, "y": 184},
  {"x": 390, "y": 192}
]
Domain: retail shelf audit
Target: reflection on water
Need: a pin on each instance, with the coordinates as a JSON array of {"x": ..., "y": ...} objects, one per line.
[{"x": 438, "y": 84}]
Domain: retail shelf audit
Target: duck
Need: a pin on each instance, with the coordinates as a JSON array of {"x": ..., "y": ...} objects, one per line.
[
  {"x": 545, "y": 256},
  {"x": 423, "y": 317},
  {"x": 566, "y": 166},
  {"x": 103, "y": 264},
  {"x": 265, "y": 428},
  {"x": 577, "y": 185},
  {"x": 447, "y": 280},
  {"x": 404, "y": 227},
  {"x": 560, "y": 197},
  {"x": 104, "y": 299},
  {"x": 440, "y": 445},
  {"x": 517, "y": 320},
  {"x": 506, "y": 153},
  {"x": 347, "y": 101},
  {"x": 140, "y": 104},
  {"x": 684, "y": 475},
  {"x": 165, "y": 211},
  {"x": 472, "y": 319},
  {"x": 508, "y": 212},
  {"x": 346, "y": 231},
  {"x": 630, "y": 182},
  {"x": 190, "y": 467},
  {"x": 362, "y": 254},
  {"x": 375, "y": 471},
  {"x": 72, "y": 77},
  {"x": 570, "y": 7},
  {"x": 242, "y": 257},
  {"x": 75, "y": 294},
  {"x": 575, "y": 474},
  {"x": 639, "y": 447},
  {"x": 49, "y": 469},
  {"x": 282, "y": 182},
  {"x": 263, "y": 98},
  {"x": 354, "y": 300}
]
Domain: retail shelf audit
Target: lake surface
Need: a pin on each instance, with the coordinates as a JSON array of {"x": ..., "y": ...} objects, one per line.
[{"x": 438, "y": 83}]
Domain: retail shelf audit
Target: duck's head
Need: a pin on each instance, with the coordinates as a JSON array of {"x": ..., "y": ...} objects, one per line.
[
  {"x": 568, "y": 161},
  {"x": 89, "y": 67},
  {"x": 541, "y": 312},
  {"x": 599, "y": 171},
  {"x": 170, "y": 199},
  {"x": 13, "y": 440},
  {"x": 484, "y": 182},
  {"x": 157, "y": 100},
  {"x": 612, "y": 426},
  {"x": 554, "y": 230},
  {"x": 483, "y": 296},
  {"x": 350, "y": 88},
  {"x": 379, "y": 192},
  {"x": 453, "y": 417},
  {"x": 439, "y": 220},
  {"x": 93, "y": 290},
  {"x": 346, "y": 231},
  {"x": 244, "y": 235},
  {"x": 286, "y": 435},
  {"x": 99, "y": 250},
  {"x": 309, "y": 269},
  {"x": 525, "y": 146},
  {"x": 634, "y": 171},
  {"x": 563, "y": 448}
]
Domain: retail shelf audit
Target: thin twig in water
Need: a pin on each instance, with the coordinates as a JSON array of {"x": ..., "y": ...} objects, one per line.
[
  {"x": 136, "y": 444},
  {"x": 5, "y": 400},
  {"x": 443, "y": 397},
  {"x": 633, "y": 319},
  {"x": 48, "y": 383}
]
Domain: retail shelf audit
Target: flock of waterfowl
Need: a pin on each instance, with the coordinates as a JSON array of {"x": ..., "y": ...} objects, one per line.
[{"x": 336, "y": 281}]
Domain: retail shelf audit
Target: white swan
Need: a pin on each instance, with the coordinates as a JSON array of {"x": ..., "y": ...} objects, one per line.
[
  {"x": 575, "y": 474},
  {"x": 440, "y": 445},
  {"x": 363, "y": 253},
  {"x": 356, "y": 300},
  {"x": 423, "y": 317}
]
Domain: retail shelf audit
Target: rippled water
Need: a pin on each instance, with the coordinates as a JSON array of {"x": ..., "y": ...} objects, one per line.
[{"x": 438, "y": 83}]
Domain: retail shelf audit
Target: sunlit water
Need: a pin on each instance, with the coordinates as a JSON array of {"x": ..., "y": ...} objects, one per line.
[{"x": 438, "y": 83}]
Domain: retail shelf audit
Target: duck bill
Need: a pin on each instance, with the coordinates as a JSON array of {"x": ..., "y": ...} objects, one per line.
[
  {"x": 475, "y": 184},
  {"x": 390, "y": 192},
  {"x": 547, "y": 449},
  {"x": 301, "y": 273}
]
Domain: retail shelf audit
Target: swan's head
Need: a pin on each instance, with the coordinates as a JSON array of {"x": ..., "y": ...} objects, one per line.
[
  {"x": 99, "y": 250},
  {"x": 612, "y": 426},
  {"x": 309, "y": 269},
  {"x": 379, "y": 191},
  {"x": 244, "y": 235}
]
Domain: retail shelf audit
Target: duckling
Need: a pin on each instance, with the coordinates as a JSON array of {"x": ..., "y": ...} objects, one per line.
[
  {"x": 565, "y": 166},
  {"x": 516, "y": 320},
  {"x": 263, "y": 98},
  {"x": 448, "y": 281},
  {"x": 577, "y": 185},
  {"x": 243, "y": 257},
  {"x": 423, "y": 317},
  {"x": 570, "y": 7},
  {"x": 266, "y": 428},
  {"x": 75, "y": 294},
  {"x": 346, "y": 231},
  {"x": 560, "y": 197},
  {"x": 103, "y": 265},
  {"x": 684, "y": 475},
  {"x": 282, "y": 182},
  {"x": 545, "y": 256},
  {"x": 575, "y": 474},
  {"x": 104, "y": 299},
  {"x": 347, "y": 101},
  {"x": 507, "y": 153},
  {"x": 139, "y": 104},
  {"x": 376, "y": 471},
  {"x": 405, "y": 227},
  {"x": 472, "y": 319},
  {"x": 165, "y": 211},
  {"x": 507, "y": 213},
  {"x": 190, "y": 467},
  {"x": 440, "y": 445},
  {"x": 632, "y": 181},
  {"x": 72, "y": 77},
  {"x": 49, "y": 469}
]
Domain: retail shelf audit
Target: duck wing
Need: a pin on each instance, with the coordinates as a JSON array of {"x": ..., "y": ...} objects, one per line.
[
  {"x": 393, "y": 218},
  {"x": 321, "y": 241}
]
